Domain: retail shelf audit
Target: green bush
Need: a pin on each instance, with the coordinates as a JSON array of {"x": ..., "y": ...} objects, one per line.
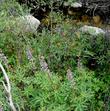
[
  {"x": 63, "y": 48},
  {"x": 39, "y": 92}
]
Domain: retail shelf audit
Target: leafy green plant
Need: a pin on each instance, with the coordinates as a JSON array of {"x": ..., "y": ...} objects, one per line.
[
  {"x": 38, "y": 92},
  {"x": 63, "y": 48}
]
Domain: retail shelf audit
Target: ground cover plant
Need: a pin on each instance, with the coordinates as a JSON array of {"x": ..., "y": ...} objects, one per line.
[{"x": 57, "y": 69}]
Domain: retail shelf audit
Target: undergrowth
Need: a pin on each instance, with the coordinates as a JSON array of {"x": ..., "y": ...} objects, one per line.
[{"x": 63, "y": 47}]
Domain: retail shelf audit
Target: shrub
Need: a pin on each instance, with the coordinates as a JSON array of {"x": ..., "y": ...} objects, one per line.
[
  {"x": 39, "y": 92},
  {"x": 63, "y": 48}
]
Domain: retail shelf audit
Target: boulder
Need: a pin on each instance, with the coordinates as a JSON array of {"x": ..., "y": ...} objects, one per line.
[
  {"x": 92, "y": 30},
  {"x": 27, "y": 23}
]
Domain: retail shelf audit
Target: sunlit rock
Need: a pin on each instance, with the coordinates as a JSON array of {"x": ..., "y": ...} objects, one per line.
[
  {"x": 73, "y": 4},
  {"x": 28, "y": 23},
  {"x": 92, "y": 30},
  {"x": 76, "y": 5}
]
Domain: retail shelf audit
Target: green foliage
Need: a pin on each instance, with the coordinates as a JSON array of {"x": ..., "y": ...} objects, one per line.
[
  {"x": 39, "y": 92},
  {"x": 47, "y": 2},
  {"x": 62, "y": 46}
]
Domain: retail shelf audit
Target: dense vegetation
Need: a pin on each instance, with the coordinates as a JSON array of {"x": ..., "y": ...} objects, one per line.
[{"x": 77, "y": 72}]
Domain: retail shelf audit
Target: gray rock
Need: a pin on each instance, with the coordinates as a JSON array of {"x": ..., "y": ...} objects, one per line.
[
  {"x": 73, "y": 4},
  {"x": 1, "y": 1},
  {"x": 92, "y": 30},
  {"x": 27, "y": 23},
  {"x": 76, "y": 5}
]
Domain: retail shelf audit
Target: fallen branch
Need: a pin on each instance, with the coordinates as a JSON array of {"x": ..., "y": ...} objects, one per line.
[{"x": 7, "y": 87}]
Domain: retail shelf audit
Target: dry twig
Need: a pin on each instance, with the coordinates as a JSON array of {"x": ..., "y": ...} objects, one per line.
[{"x": 7, "y": 87}]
